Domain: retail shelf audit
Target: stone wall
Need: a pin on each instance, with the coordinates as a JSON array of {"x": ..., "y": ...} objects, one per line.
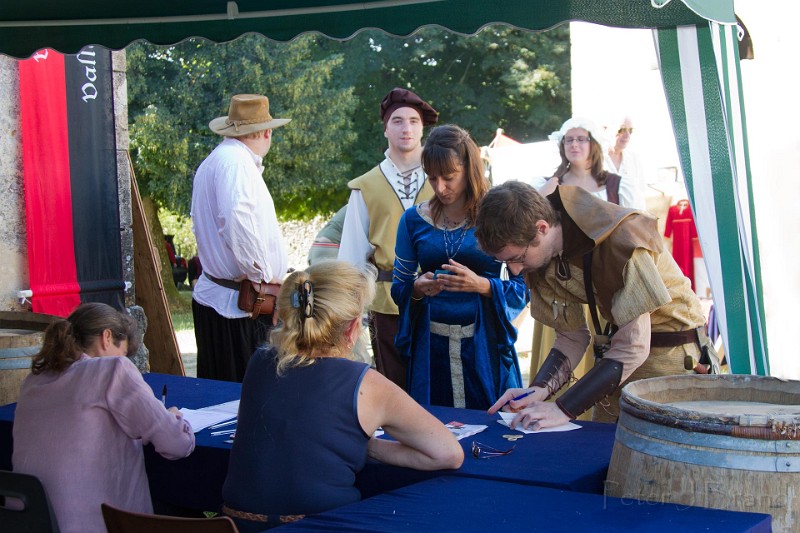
[{"x": 13, "y": 237}]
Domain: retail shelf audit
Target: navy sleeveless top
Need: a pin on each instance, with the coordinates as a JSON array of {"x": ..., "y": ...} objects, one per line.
[{"x": 298, "y": 442}]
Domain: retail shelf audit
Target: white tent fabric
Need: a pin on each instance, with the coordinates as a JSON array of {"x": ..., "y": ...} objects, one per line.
[{"x": 700, "y": 71}]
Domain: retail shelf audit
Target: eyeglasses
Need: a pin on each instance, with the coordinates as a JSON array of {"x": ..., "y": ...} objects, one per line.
[
  {"x": 579, "y": 140},
  {"x": 623, "y": 130},
  {"x": 519, "y": 260},
  {"x": 482, "y": 451}
]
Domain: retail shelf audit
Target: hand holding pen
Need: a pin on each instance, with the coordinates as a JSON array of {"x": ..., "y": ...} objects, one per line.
[{"x": 514, "y": 395}]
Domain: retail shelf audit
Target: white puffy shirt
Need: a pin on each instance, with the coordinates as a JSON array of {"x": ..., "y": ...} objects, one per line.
[{"x": 235, "y": 225}]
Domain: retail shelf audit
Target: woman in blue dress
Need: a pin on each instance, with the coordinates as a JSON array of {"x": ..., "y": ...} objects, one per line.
[{"x": 455, "y": 308}]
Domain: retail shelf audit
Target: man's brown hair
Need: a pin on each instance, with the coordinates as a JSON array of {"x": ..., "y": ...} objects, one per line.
[{"x": 507, "y": 216}]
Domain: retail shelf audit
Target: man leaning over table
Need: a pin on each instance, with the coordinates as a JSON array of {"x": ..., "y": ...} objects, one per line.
[{"x": 637, "y": 285}]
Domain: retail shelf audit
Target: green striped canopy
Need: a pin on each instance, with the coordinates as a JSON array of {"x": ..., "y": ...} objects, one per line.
[
  {"x": 699, "y": 63},
  {"x": 702, "y": 81}
]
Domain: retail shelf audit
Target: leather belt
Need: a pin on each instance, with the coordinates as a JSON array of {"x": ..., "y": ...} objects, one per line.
[
  {"x": 668, "y": 339},
  {"x": 255, "y": 517},
  {"x": 227, "y": 283},
  {"x": 385, "y": 275}
]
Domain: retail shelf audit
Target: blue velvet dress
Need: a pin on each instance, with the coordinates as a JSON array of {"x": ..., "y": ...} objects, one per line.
[{"x": 487, "y": 363}]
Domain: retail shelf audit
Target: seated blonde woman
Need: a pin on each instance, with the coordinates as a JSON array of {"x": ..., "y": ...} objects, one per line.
[{"x": 308, "y": 412}]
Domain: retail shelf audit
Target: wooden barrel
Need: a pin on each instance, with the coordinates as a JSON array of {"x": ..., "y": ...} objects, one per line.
[
  {"x": 21, "y": 336},
  {"x": 721, "y": 441}
]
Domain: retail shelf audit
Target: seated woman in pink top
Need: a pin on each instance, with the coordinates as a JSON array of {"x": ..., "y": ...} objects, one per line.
[{"x": 83, "y": 415}]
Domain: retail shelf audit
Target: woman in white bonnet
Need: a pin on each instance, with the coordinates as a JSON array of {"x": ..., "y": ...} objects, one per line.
[{"x": 582, "y": 150}]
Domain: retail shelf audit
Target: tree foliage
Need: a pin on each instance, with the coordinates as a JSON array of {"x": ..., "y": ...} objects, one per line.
[
  {"x": 174, "y": 92},
  {"x": 500, "y": 78}
]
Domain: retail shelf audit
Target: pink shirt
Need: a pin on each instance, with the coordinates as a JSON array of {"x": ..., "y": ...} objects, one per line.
[{"x": 81, "y": 433}]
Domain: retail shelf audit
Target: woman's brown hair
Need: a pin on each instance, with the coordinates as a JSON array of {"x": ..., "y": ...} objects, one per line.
[
  {"x": 66, "y": 339},
  {"x": 449, "y": 147},
  {"x": 596, "y": 158}
]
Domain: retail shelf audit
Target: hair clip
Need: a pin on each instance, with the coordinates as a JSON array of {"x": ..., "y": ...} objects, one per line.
[
  {"x": 295, "y": 300},
  {"x": 307, "y": 299}
]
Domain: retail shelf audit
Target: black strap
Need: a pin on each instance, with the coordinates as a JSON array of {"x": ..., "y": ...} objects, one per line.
[
  {"x": 604, "y": 336},
  {"x": 385, "y": 275},
  {"x": 587, "y": 284}
]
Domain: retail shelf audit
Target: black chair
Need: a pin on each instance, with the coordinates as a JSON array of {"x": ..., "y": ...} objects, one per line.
[
  {"x": 24, "y": 506},
  {"x": 119, "y": 521}
]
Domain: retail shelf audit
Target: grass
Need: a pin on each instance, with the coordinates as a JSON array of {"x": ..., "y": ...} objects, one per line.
[{"x": 182, "y": 319}]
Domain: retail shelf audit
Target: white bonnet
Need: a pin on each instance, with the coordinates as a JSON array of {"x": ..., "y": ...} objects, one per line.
[{"x": 580, "y": 122}]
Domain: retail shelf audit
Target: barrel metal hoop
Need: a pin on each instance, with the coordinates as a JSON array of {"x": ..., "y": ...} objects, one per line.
[
  {"x": 702, "y": 449},
  {"x": 15, "y": 364},
  {"x": 773, "y": 427},
  {"x": 11, "y": 353}
]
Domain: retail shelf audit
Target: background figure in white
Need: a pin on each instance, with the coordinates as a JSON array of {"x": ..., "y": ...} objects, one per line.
[
  {"x": 623, "y": 161},
  {"x": 582, "y": 148}
]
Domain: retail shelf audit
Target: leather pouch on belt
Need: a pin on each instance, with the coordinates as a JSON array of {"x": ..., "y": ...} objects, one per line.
[{"x": 257, "y": 298}]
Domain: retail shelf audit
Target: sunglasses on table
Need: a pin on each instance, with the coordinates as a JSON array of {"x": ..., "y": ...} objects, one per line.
[{"x": 483, "y": 451}]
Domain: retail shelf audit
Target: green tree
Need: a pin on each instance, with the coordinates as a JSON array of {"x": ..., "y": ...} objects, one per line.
[
  {"x": 174, "y": 92},
  {"x": 499, "y": 78}
]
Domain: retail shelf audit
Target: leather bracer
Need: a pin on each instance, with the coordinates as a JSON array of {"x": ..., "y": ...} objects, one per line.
[
  {"x": 555, "y": 372},
  {"x": 601, "y": 381}
]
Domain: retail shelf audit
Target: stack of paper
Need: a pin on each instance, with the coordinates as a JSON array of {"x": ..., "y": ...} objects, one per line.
[{"x": 200, "y": 419}]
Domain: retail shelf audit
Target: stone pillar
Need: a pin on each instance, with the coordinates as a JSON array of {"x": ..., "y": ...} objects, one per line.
[{"x": 13, "y": 234}]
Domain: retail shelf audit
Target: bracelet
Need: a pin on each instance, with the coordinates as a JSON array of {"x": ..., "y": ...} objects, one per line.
[{"x": 416, "y": 299}]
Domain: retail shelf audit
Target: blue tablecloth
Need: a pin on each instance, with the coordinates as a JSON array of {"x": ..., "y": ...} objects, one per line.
[
  {"x": 538, "y": 459},
  {"x": 450, "y": 503}
]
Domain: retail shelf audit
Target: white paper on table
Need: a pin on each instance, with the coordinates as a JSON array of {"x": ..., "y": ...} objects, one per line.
[
  {"x": 464, "y": 430},
  {"x": 231, "y": 408},
  {"x": 200, "y": 419},
  {"x": 508, "y": 417}
]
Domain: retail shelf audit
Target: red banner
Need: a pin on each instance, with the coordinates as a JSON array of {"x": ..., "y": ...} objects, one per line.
[{"x": 48, "y": 196}]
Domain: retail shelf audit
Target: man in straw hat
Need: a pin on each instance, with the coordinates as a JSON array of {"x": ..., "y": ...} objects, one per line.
[
  {"x": 237, "y": 237},
  {"x": 377, "y": 201}
]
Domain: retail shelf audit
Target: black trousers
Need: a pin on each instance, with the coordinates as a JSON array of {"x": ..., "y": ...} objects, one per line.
[
  {"x": 387, "y": 359},
  {"x": 224, "y": 345}
]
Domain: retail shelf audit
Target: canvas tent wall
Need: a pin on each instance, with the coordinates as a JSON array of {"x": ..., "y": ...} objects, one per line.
[{"x": 706, "y": 97}]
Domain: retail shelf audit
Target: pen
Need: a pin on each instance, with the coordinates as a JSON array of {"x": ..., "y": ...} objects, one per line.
[
  {"x": 164, "y": 395},
  {"x": 521, "y": 396},
  {"x": 223, "y": 424},
  {"x": 223, "y": 432}
]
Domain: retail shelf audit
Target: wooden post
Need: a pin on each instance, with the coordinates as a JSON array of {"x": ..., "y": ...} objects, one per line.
[{"x": 165, "y": 356}]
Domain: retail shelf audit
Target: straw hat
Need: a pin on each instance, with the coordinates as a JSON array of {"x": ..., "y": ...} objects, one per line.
[{"x": 248, "y": 113}]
